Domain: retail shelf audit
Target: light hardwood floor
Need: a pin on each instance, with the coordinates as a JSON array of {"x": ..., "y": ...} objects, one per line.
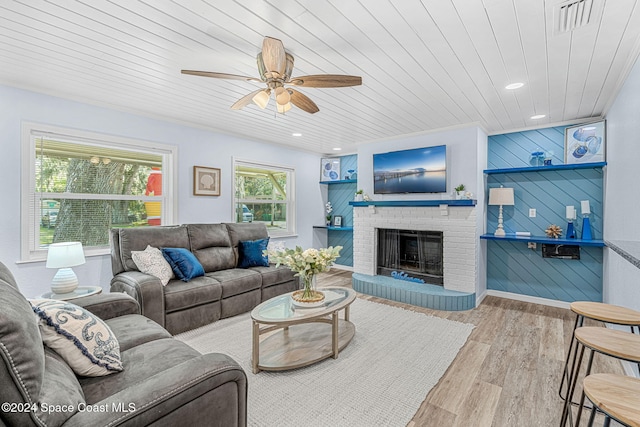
[{"x": 508, "y": 372}]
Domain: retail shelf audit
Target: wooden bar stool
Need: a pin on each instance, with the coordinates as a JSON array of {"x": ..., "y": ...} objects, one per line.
[
  {"x": 617, "y": 396},
  {"x": 607, "y": 313},
  {"x": 618, "y": 344}
]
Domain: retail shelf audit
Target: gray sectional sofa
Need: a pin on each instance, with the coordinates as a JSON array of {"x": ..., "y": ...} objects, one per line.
[
  {"x": 223, "y": 291},
  {"x": 164, "y": 382}
]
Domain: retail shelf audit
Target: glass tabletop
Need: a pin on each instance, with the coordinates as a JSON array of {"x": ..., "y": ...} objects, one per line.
[{"x": 282, "y": 309}]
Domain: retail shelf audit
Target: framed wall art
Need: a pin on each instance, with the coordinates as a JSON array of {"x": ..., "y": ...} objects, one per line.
[
  {"x": 206, "y": 181},
  {"x": 337, "y": 221},
  {"x": 330, "y": 169},
  {"x": 585, "y": 143}
]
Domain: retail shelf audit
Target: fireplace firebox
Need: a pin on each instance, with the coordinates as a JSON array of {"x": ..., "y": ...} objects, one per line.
[{"x": 412, "y": 254}]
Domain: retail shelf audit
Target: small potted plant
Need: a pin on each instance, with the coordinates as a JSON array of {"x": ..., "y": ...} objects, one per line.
[
  {"x": 329, "y": 208},
  {"x": 358, "y": 197},
  {"x": 460, "y": 192}
]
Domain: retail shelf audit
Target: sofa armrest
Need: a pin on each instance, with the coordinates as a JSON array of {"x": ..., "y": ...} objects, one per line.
[
  {"x": 146, "y": 289},
  {"x": 107, "y": 306},
  {"x": 211, "y": 389}
]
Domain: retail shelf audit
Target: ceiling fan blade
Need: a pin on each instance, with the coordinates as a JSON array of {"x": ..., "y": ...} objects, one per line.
[
  {"x": 220, "y": 75},
  {"x": 273, "y": 55},
  {"x": 326, "y": 80},
  {"x": 245, "y": 100},
  {"x": 303, "y": 102}
]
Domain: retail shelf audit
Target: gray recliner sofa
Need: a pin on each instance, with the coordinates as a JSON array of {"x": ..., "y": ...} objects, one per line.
[
  {"x": 164, "y": 382},
  {"x": 223, "y": 291}
]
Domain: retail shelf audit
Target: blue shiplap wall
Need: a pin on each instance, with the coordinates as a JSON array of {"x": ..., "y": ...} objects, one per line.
[
  {"x": 340, "y": 195},
  {"x": 511, "y": 266}
]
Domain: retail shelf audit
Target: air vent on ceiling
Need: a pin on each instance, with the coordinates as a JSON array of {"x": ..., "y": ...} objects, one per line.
[{"x": 573, "y": 15}]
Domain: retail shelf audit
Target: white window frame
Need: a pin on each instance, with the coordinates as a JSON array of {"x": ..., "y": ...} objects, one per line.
[
  {"x": 290, "y": 200},
  {"x": 29, "y": 250}
]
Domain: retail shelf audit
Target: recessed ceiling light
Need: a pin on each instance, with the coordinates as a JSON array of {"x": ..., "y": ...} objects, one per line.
[
  {"x": 538, "y": 116},
  {"x": 296, "y": 134},
  {"x": 337, "y": 149},
  {"x": 514, "y": 86}
]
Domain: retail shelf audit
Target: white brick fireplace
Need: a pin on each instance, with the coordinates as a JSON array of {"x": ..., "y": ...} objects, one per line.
[{"x": 457, "y": 223}]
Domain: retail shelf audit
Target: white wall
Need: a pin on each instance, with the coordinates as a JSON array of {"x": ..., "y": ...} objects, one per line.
[
  {"x": 622, "y": 204},
  {"x": 195, "y": 147},
  {"x": 462, "y": 160}
]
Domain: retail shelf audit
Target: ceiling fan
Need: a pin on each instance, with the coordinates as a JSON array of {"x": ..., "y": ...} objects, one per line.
[{"x": 275, "y": 67}]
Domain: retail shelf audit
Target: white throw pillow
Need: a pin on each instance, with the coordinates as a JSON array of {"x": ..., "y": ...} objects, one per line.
[
  {"x": 83, "y": 340},
  {"x": 151, "y": 261}
]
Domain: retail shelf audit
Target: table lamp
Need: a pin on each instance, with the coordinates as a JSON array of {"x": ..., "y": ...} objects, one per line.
[
  {"x": 500, "y": 197},
  {"x": 63, "y": 256}
]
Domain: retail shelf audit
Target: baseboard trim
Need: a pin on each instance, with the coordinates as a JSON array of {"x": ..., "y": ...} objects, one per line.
[
  {"x": 342, "y": 267},
  {"x": 528, "y": 298}
]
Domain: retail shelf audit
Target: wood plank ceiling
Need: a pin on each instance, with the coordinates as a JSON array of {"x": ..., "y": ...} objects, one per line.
[{"x": 425, "y": 64}]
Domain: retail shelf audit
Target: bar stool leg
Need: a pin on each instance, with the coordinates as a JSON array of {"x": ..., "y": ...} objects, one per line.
[
  {"x": 582, "y": 397},
  {"x": 592, "y": 417},
  {"x": 573, "y": 379},
  {"x": 565, "y": 373}
]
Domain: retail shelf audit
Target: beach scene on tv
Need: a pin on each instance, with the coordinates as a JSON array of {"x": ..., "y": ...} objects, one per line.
[{"x": 420, "y": 170}]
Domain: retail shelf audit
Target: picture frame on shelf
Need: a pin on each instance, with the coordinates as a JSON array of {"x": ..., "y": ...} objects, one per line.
[
  {"x": 585, "y": 143},
  {"x": 330, "y": 169},
  {"x": 206, "y": 181},
  {"x": 337, "y": 221}
]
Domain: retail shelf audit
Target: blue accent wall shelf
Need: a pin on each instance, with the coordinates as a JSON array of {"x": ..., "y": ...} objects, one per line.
[
  {"x": 334, "y": 228},
  {"x": 341, "y": 181},
  {"x": 597, "y": 165},
  {"x": 340, "y": 193},
  {"x": 512, "y": 266},
  {"x": 546, "y": 240},
  {"x": 464, "y": 202}
]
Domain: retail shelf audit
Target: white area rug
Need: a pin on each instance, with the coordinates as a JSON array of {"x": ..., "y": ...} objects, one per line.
[{"x": 379, "y": 379}]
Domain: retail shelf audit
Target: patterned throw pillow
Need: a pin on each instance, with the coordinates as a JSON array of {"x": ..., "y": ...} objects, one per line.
[
  {"x": 83, "y": 340},
  {"x": 151, "y": 261},
  {"x": 251, "y": 253}
]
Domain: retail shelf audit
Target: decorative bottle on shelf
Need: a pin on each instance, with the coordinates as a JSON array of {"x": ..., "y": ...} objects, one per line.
[
  {"x": 586, "y": 224},
  {"x": 571, "y": 215}
]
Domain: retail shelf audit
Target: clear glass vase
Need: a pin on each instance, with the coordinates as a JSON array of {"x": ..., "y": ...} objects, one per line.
[{"x": 308, "y": 292}]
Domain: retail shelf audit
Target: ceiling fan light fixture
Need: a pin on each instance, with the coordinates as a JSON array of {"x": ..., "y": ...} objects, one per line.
[
  {"x": 283, "y": 108},
  {"x": 261, "y": 99},
  {"x": 282, "y": 96}
]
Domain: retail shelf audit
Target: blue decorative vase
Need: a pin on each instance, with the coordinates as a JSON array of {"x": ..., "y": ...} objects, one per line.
[
  {"x": 571, "y": 231},
  {"x": 586, "y": 229}
]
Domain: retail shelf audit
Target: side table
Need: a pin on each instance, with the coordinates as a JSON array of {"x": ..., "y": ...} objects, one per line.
[{"x": 79, "y": 292}]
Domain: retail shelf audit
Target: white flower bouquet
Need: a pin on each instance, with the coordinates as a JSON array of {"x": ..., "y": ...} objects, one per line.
[{"x": 306, "y": 263}]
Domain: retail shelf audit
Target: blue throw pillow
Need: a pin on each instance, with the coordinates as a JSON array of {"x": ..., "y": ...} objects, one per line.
[
  {"x": 251, "y": 253},
  {"x": 184, "y": 264}
]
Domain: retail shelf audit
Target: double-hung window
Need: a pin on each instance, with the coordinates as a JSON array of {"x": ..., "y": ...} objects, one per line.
[
  {"x": 265, "y": 193},
  {"x": 76, "y": 186}
]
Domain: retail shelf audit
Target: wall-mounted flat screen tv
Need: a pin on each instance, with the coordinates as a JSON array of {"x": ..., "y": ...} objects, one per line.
[{"x": 419, "y": 170}]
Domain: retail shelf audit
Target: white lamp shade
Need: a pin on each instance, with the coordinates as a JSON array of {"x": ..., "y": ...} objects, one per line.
[
  {"x": 261, "y": 99},
  {"x": 282, "y": 96},
  {"x": 501, "y": 196},
  {"x": 284, "y": 108},
  {"x": 65, "y": 254}
]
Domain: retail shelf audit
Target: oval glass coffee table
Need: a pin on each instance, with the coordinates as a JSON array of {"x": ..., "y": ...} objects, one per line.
[{"x": 298, "y": 336}]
